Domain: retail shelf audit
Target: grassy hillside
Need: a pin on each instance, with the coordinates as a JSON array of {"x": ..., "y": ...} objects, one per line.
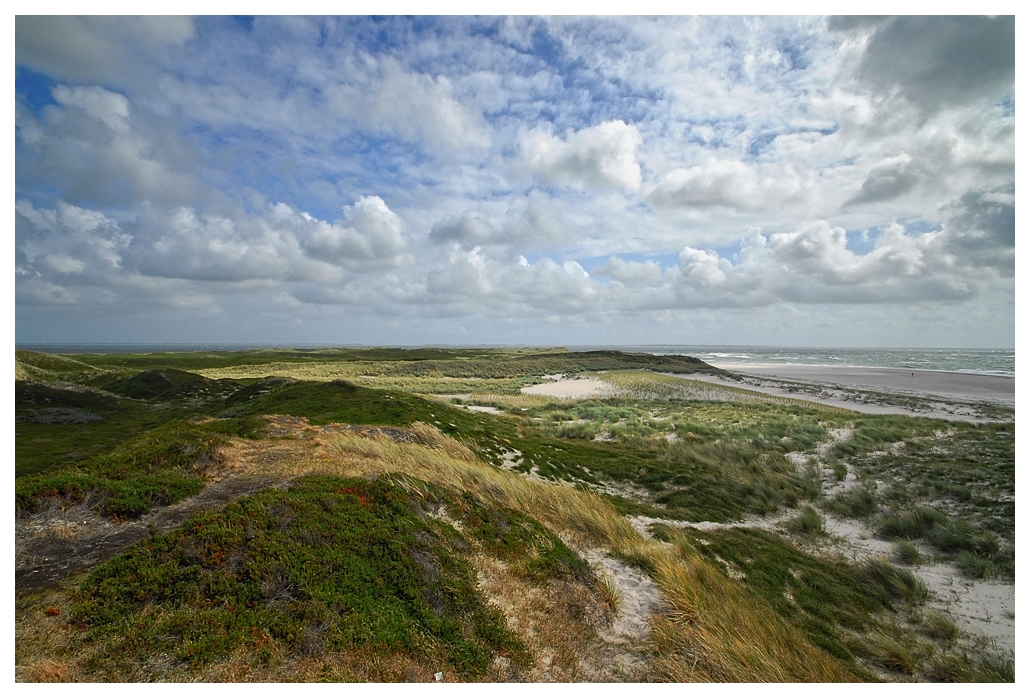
[{"x": 393, "y": 536}]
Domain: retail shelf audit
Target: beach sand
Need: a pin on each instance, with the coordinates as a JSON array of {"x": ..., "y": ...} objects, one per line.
[
  {"x": 938, "y": 394},
  {"x": 963, "y": 386},
  {"x": 575, "y": 389}
]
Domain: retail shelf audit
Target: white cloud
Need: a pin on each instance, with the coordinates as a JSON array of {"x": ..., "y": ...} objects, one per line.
[
  {"x": 730, "y": 184},
  {"x": 647, "y": 273},
  {"x": 69, "y": 239},
  {"x": 601, "y": 156},
  {"x": 471, "y": 228},
  {"x": 88, "y": 144},
  {"x": 109, "y": 107},
  {"x": 416, "y": 107},
  {"x": 151, "y": 179},
  {"x": 375, "y": 233}
]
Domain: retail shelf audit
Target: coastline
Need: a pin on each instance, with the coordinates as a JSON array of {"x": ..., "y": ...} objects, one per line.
[
  {"x": 948, "y": 395},
  {"x": 923, "y": 382}
]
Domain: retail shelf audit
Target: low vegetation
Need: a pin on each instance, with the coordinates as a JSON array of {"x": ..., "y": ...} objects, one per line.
[{"x": 407, "y": 537}]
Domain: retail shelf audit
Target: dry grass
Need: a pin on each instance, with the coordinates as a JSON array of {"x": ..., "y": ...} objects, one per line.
[
  {"x": 645, "y": 385},
  {"x": 710, "y": 631},
  {"x": 504, "y": 400},
  {"x": 610, "y": 593},
  {"x": 366, "y": 375},
  {"x": 713, "y": 630}
]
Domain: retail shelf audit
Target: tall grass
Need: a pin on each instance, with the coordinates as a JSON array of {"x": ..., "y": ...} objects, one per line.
[
  {"x": 646, "y": 385},
  {"x": 712, "y": 631}
]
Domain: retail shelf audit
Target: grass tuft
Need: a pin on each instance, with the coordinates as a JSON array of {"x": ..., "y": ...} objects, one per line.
[
  {"x": 885, "y": 581},
  {"x": 907, "y": 553},
  {"x": 808, "y": 521}
]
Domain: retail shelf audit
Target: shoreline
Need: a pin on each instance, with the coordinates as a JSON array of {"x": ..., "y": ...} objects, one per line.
[
  {"x": 922, "y": 382},
  {"x": 727, "y": 365}
]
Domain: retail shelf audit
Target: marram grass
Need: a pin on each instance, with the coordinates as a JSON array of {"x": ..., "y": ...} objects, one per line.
[{"x": 710, "y": 631}]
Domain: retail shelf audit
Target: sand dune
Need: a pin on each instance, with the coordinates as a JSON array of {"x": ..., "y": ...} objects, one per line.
[{"x": 573, "y": 389}]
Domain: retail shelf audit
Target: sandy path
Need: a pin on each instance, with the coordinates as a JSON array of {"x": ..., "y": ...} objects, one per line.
[{"x": 53, "y": 544}]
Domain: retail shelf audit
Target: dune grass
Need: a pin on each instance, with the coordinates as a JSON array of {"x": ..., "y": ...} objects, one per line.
[
  {"x": 671, "y": 451},
  {"x": 949, "y": 485},
  {"x": 648, "y": 385},
  {"x": 702, "y": 636}
]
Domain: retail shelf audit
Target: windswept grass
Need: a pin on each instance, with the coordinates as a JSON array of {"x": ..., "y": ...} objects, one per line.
[
  {"x": 713, "y": 632},
  {"x": 646, "y": 385},
  {"x": 738, "y": 605}
]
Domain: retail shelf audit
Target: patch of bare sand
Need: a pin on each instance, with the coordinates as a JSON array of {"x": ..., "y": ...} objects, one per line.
[
  {"x": 979, "y": 607},
  {"x": 566, "y": 626},
  {"x": 574, "y": 389}
]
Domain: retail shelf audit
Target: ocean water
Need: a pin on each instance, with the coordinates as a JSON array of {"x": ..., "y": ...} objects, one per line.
[{"x": 997, "y": 362}]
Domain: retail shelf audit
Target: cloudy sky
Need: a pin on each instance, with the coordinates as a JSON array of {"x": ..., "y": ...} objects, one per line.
[{"x": 790, "y": 181}]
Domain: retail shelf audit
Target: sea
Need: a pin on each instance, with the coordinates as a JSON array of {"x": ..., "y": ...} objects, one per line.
[{"x": 995, "y": 362}]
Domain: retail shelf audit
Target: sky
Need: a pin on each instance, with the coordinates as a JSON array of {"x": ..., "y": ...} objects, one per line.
[{"x": 797, "y": 181}]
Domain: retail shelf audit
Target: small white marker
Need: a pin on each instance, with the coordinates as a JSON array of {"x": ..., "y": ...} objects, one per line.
[{"x": 438, "y": 676}]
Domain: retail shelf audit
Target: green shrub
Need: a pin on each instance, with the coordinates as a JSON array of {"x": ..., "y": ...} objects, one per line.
[
  {"x": 329, "y": 564},
  {"x": 159, "y": 468}
]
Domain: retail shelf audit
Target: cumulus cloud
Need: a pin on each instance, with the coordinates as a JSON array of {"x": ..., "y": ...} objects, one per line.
[
  {"x": 729, "y": 184},
  {"x": 283, "y": 245},
  {"x": 473, "y": 279},
  {"x": 200, "y": 164},
  {"x": 87, "y": 143},
  {"x": 647, "y": 273},
  {"x": 471, "y": 228},
  {"x": 890, "y": 179},
  {"x": 374, "y": 233},
  {"x": 602, "y": 156},
  {"x": 981, "y": 230},
  {"x": 69, "y": 239},
  {"x": 529, "y": 222}
]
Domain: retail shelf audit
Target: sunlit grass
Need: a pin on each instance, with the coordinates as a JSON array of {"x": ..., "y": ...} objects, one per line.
[{"x": 647, "y": 385}]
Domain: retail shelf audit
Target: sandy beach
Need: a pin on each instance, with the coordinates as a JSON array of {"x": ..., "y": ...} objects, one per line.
[
  {"x": 939, "y": 394},
  {"x": 962, "y": 386}
]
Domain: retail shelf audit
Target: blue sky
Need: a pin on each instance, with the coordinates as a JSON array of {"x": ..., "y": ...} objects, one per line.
[{"x": 515, "y": 180}]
